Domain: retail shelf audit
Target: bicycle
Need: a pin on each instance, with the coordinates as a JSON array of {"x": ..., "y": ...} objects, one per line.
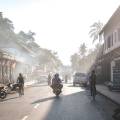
[
  {"x": 116, "y": 114},
  {"x": 93, "y": 92}
]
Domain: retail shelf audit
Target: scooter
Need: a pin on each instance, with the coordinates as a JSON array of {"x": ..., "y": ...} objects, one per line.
[
  {"x": 57, "y": 89},
  {"x": 12, "y": 87}
]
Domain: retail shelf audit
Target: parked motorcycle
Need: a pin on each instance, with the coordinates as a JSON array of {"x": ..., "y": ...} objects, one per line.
[
  {"x": 13, "y": 87},
  {"x": 3, "y": 92},
  {"x": 57, "y": 89}
]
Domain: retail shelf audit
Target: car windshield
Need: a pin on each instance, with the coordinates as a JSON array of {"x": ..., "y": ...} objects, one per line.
[{"x": 80, "y": 74}]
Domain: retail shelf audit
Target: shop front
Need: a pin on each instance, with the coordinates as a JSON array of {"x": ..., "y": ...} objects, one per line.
[
  {"x": 115, "y": 71},
  {"x": 7, "y": 65}
]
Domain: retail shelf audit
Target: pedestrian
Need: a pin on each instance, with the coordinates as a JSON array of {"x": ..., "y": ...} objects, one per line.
[
  {"x": 93, "y": 82},
  {"x": 49, "y": 79},
  {"x": 20, "y": 81},
  {"x": 66, "y": 78}
]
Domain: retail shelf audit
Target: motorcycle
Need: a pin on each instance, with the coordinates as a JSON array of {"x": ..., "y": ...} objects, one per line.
[
  {"x": 13, "y": 87},
  {"x": 3, "y": 92},
  {"x": 57, "y": 89}
]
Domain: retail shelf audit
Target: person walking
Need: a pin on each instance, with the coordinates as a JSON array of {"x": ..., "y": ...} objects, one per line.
[{"x": 20, "y": 81}]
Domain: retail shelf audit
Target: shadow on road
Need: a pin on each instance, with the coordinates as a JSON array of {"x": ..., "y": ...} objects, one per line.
[
  {"x": 67, "y": 107},
  {"x": 77, "y": 86},
  {"x": 38, "y": 85},
  {"x": 77, "y": 106},
  {"x": 72, "y": 86},
  {"x": 43, "y": 100},
  {"x": 2, "y": 100}
]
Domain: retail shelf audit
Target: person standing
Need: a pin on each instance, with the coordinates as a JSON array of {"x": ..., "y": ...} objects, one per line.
[
  {"x": 93, "y": 82},
  {"x": 20, "y": 81},
  {"x": 49, "y": 79},
  {"x": 66, "y": 78}
]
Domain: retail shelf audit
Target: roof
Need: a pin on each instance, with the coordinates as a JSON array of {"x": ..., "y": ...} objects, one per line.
[
  {"x": 113, "y": 15},
  {"x": 6, "y": 54}
]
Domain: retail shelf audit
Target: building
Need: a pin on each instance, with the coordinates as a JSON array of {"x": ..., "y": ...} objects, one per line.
[
  {"x": 108, "y": 64},
  {"x": 7, "y": 66},
  {"x": 24, "y": 56}
]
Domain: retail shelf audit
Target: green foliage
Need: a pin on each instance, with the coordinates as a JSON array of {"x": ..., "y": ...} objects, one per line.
[
  {"x": 5, "y": 24},
  {"x": 82, "y": 50},
  {"x": 81, "y": 62},
  {"x": 27, "y": 41},
  {"x": 95, "y": 29}
]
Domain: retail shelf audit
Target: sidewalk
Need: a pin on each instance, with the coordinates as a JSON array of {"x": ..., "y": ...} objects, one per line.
[{"x": 114, "y": 96}]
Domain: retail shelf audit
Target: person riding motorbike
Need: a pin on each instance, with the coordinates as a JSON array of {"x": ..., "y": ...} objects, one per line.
[{"x": 56, "y": 82}]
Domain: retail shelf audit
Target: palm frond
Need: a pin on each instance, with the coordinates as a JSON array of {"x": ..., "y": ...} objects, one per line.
[{"x": 92, "y": 30}]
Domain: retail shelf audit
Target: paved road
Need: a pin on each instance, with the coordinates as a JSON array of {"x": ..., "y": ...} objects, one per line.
[{"x": 39, "y": 103}]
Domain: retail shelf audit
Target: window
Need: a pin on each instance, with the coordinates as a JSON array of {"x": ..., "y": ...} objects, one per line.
[
  {"x": 108, "y": 42},
  {"x": 111, "y": 41},
  {"x": 115, "y": 36},
  {"x": 118, "y": 34}
]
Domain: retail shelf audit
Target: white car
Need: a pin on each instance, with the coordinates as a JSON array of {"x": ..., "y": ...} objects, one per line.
[{"x": 80, "y": 78}]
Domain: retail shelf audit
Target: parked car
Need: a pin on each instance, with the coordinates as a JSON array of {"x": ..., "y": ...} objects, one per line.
[
  {"x": 80, "y": 78},
  {"x": 42, "y": 78}
]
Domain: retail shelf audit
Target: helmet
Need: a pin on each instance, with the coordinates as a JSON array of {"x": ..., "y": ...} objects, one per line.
[{"x": 56, "y": 75}]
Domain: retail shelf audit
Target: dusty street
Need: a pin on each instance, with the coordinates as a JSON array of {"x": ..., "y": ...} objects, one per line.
[{"x": 39, "y": 103}]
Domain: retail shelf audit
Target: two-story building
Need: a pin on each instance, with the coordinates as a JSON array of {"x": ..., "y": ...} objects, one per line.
[{"x": 109, "y": 61}]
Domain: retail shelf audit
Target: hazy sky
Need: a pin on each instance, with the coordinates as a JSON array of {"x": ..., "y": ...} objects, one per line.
[{"x": 60, "y": 25}]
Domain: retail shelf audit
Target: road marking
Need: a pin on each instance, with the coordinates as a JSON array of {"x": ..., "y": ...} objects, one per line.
[
  {"x": 36, "y": 106},
  {"x": 25, "y": 117}
]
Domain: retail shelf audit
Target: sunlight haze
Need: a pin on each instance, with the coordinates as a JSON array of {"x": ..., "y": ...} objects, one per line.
[{"x": 60, "y": 25}]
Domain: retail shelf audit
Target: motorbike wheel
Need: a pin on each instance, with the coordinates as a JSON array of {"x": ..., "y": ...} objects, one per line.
[
  {"x": 3, "y": 94},
  {"x": 57, "y": 93}
]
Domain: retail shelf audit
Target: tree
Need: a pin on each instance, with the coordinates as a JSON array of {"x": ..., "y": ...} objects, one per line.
[
  {"x": 95, "y": 30},
  {"x": 30, "y": 36},
  {"x": 75, "y": 61},
  {"x": 82, "y": 50},
  {"x": 27, "y": 37},
  {"x": 6, "y": 24},
  {"x": 49, "y": 59},
  {"x": 6, "y": 29}
]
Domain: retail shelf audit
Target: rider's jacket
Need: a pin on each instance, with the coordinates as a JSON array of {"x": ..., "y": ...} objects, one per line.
[{"x": 56, "y": 80}]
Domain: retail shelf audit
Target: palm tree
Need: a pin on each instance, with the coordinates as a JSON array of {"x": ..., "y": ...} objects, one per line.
[{"x": 95, "y": 30}]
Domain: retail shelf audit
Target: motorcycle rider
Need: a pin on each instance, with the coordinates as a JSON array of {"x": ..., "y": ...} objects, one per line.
[{"x": 56, "y": 81}]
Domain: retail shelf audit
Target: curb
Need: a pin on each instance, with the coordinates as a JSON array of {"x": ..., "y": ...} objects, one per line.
[{"x": 108, "y": 98}]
